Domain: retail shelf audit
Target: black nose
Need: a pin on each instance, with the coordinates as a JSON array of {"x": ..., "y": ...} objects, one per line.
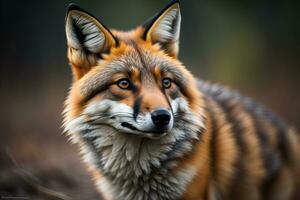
[{"x": 161, "y": 117}]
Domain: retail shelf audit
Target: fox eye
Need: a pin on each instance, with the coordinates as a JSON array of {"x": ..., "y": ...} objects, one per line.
[
  {"x": 123, "y": 83},
  {"x": 166, "y": 83}
]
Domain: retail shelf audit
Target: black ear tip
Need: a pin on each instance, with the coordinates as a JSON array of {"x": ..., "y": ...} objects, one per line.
[
  {"x": 171, "y": 3},
  {"x": 174, "y": 2},
  {"x": 73, "y": 6}
]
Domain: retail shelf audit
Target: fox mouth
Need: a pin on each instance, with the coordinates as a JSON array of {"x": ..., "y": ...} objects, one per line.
[{"x": 154, "y": 132}]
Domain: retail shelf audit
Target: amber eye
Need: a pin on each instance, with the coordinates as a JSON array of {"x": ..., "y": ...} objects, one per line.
[
  {"x": 166, "y": 83},
  {"x": 123, "y": 83}
]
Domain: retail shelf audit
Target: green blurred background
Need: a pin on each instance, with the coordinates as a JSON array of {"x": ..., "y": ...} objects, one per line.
[{"x": 253, "y": 46}]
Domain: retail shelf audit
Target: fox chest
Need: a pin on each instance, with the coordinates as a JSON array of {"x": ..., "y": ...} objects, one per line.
[{"x": 162, "y": 185}]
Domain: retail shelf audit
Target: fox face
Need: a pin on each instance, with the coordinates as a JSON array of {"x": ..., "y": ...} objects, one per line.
[{"x": 130, "y": 81}]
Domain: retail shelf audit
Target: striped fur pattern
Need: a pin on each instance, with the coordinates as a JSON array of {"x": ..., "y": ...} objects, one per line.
[{"x": 216, "y": 144}]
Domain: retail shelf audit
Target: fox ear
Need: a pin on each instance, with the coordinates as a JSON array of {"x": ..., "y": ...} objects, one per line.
[
  {"x": 164, "y": 28},
  {"x": 87, "y": 39}
]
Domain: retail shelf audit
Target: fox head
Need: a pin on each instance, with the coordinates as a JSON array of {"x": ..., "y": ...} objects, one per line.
[{"x": 131, "y": 82}]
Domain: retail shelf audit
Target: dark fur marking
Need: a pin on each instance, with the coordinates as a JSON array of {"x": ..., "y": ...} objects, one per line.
[
  {"x": 93, "y": 93},
  {"x": 168, "y": 100},
  {"x": 174, "y": 94},
  {"x": 282, "y": 131},
  {"x": 213, "y": 146},
  {"x": 271, "y": 160},
  {"x": 137, "y": 106},
  {"x": 80, "y": 36},
  {"x": 278, "y": 124},
  {"x": 236, "y": 128},
  {"x": 213, "y": 133}
]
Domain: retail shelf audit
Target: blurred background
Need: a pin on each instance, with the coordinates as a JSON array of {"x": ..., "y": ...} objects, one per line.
[{"x": 253, "y": 46}]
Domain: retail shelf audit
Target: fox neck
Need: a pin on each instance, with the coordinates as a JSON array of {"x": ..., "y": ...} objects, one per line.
[{"x": 137, "y": 167}]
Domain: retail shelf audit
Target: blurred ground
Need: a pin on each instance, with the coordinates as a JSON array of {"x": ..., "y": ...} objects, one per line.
[
  {"x": 39, "y": 168},
  {"x": 251, "y": 45}
]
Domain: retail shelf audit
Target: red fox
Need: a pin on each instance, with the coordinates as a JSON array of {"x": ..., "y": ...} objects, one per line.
[{"x": 148, "y": 130}]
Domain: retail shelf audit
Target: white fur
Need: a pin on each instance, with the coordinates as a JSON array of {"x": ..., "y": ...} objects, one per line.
[{"x": 135, "y": 167}]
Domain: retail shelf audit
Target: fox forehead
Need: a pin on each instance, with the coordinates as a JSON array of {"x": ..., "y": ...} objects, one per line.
[{"x": 136, "y": 60}]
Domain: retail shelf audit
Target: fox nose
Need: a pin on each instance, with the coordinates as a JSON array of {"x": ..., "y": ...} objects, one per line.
[{"x": 161, "y": 117}]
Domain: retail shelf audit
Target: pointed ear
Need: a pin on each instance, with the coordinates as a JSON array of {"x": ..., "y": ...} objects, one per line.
[
  {"x": 164, "y": 28},
  {"x": 87, "y": 39}
]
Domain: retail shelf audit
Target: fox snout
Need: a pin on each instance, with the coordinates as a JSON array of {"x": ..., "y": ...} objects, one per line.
[
  {"x": 153, "y": 110},
  {"x": 154, "y": 103}
]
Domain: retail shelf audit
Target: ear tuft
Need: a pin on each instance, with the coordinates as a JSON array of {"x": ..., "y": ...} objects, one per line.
[{"x": 164, "y": 28}]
